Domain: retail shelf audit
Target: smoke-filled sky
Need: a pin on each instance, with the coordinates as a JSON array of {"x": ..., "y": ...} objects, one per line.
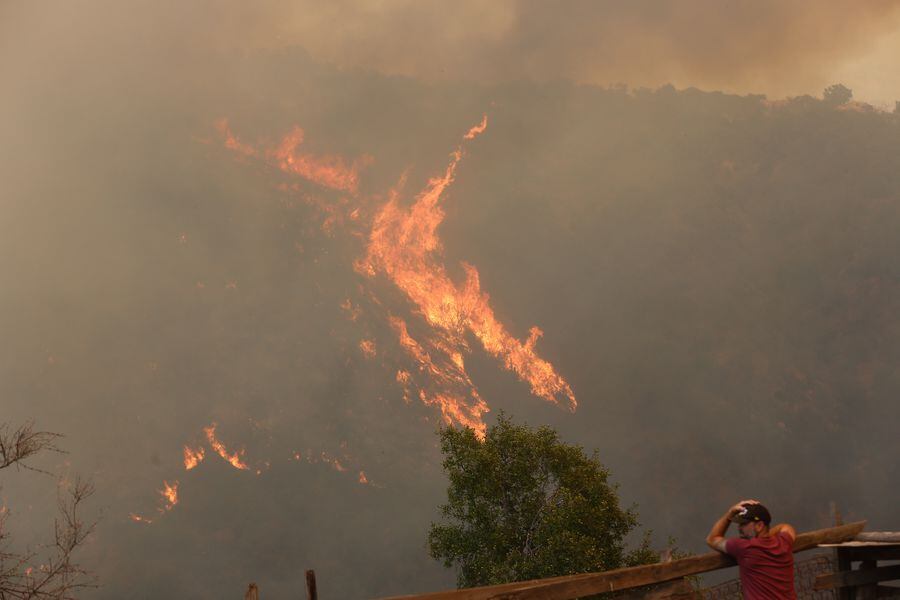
[{"x": 230, "y": 213}]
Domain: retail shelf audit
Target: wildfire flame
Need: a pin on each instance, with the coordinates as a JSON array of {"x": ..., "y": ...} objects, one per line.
[
  {"x": 193, "y": 457},
  {"x": 234, "y": 459},
  {"x": 328, "y": 171},
  {"x": 169, "y": 494},
  {"x": 477, "y": 129},
  {"x": 404, "y": 246},
  {"x": 332, "y": 172},
  {"x": 449, "y": 375}
]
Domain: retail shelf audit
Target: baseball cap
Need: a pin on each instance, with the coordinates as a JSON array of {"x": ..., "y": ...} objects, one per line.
[{"x": 752, "y": 512}]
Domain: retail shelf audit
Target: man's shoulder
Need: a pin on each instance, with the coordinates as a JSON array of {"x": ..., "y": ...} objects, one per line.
[{"x": 778, "y": 542}]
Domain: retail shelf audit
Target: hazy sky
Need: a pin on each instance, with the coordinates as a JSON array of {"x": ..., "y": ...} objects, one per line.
[{"x": 772, "y": 47}]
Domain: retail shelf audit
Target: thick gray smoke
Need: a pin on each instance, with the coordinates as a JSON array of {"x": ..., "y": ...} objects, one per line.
[{"x": 716, "y": 276}]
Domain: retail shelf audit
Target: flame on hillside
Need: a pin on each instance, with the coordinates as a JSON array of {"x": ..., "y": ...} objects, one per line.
[
  {"x": 404, "y": 246},
  {"x": 235, "y": 459},
  {"x": 169, "y": 494},
  {"x": 193, "y": 457},
  {"x": 328, "y": 171}
]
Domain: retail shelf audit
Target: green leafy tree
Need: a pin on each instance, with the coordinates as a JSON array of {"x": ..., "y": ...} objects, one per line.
[{"x": 524, "y": 505}]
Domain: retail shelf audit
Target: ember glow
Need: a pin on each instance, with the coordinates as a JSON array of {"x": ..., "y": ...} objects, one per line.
[
  {"x": 368, "y": 348},
  {"x": 404, "y": 246},
  {"x": 139, "y": 519},
  {"x": 234, "y": 459},
  {"x": 328, "y": 171}
]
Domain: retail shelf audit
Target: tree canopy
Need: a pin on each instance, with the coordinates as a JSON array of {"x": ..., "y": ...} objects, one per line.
[{"x": 522, "y": 504}]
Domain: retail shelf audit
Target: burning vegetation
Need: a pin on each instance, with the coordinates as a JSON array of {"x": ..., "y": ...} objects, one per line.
[{"x": 403, "y": 245}]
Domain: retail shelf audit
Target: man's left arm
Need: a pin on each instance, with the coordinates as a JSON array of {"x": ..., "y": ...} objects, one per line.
[{"x": 716, "y": 537}]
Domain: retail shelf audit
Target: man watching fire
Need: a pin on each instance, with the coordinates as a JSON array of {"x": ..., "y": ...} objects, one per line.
[{"x": 764, "y": 555}]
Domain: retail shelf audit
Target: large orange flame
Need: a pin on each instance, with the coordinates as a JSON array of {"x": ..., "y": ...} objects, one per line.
[
  {"x": 234, "y": 459},
  {"x": 404, "y": 246}
]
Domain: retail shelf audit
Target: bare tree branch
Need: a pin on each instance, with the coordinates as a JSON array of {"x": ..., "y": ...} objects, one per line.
[
  {"x": 17, "y": 445},
  {"x": 49, "y": 572}
]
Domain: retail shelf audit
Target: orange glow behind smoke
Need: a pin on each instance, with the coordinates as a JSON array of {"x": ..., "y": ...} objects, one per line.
[
  {"x": 233, "y": 459},
  {"x": 403, "y": 245},
  {"x": 231, "y": 141},
  {"x": 192, "y": 457}
]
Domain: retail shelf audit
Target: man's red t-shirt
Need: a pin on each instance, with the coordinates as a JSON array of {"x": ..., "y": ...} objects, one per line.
[{"x": 767, "y": 566}]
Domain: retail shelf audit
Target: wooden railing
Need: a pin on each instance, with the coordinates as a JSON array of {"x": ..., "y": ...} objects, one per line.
[{"x": 671, "y": 573}]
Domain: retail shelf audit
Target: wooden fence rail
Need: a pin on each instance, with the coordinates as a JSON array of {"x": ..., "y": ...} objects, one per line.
[{"x": 569, "y": 587}]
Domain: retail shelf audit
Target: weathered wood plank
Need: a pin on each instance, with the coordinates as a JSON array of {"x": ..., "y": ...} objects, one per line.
[
  {"x": 883, "y": 591},
  {"x": 672, "y": 590},
  {"x": 843, "y": 563},
  {"x": 878, "y": 536},
  {"x": 855, "y": 578},
  {"x": 872, "y": 553},
  {"x": 586, "y": 584}
]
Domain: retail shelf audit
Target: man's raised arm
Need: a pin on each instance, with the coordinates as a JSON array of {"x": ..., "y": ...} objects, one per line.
[{"x": 716, "y": 537}]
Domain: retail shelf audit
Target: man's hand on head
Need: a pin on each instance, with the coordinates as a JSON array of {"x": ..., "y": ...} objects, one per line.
[{"x": 740, "y": 507}]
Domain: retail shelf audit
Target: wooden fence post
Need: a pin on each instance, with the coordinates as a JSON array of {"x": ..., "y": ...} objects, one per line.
[{"x": 311, "y": 593}]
